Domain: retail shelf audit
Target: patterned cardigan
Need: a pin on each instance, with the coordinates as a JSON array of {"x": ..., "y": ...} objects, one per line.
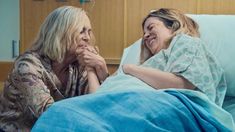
[{"x": 32, "y": 87}]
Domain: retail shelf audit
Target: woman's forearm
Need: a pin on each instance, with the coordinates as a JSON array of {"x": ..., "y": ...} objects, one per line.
[
  {"x": 157, "y": 78},
  {"x": 102, "y": 71},
  {"x": 93, "y": 81}
]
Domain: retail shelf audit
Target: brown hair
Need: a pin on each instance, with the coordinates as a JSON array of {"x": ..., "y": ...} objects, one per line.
[{"x": 173, "y": 19}]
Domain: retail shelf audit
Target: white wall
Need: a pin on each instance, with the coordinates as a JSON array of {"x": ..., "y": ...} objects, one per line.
[{"x": 9, "y": 28}]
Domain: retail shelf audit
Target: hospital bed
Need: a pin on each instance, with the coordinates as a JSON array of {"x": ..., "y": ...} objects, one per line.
[
  {"x": 218, "y": 32},
  {"x": 147, "y": 110}
]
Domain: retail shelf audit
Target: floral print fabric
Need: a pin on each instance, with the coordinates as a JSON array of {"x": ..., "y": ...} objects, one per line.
[{"x": 32, "y": 87}]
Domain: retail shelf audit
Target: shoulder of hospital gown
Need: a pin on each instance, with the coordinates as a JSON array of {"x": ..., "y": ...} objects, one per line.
[{"x": 190, "y": 58}]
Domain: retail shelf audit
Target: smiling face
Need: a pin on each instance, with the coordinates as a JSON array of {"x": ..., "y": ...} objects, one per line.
[
  {"x": 156, "y": 35},
  {"x": 80, "y": 36},
  {"x": 85, "y": 33}
]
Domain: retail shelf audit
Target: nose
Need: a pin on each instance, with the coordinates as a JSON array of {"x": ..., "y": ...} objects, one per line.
[
  {"x": 146, "y": 35},
  {"x": 86, "y": 37}
]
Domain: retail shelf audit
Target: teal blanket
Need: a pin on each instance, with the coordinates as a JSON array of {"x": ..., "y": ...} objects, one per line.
[
  {"x": 125, "y": 103},
  {"x": 134, "y": 110}
]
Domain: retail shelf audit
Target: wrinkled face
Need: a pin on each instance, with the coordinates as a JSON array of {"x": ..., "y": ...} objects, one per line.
[
  {"x": 156, "y": 35},
  {"x": 85, "y": 33},
  {"x": 82, "y": 38}
]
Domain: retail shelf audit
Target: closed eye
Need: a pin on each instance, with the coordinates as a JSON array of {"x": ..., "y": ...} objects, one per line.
[
  {"x": 150, "y": 27},
  {"x": 83, "y": 30},
  {"x": 89, "y": 32}
]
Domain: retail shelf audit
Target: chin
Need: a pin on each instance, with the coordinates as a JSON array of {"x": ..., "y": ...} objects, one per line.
[{"x": 155, "y": 52}]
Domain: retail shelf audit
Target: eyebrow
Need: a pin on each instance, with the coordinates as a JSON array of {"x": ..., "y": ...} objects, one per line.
[
  {"x": 83, "y": 29},
  {"x": 150, "y": 25}
]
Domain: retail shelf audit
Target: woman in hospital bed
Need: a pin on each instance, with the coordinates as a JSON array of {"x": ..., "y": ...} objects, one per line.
[{"x": 178, "y": 85}]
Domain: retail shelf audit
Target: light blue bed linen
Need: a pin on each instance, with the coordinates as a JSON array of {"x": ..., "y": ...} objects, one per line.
[
  {"x": 138, "y": 110},
  {"x": 218, "y": 34},
  {"x": 229, "y": 105},
  {"x": 187, "y": 57},
  {"x": 126, "y": 83},
  {"x": 125, "y": 103}
]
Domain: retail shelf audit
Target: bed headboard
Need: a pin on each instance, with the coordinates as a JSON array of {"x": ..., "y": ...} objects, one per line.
[{"x": 218, "y": 32}]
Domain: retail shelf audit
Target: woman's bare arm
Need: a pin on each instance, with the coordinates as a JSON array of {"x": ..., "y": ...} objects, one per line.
[
  {"x": 157, "y": 78},
  {"x": 91, "y": 58},
  {"x": 93, "y": 81}
]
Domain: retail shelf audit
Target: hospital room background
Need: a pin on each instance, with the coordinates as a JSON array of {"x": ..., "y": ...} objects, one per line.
[{"x": 116, "y": 23}]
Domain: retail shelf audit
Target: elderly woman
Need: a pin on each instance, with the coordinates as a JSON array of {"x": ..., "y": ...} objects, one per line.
[
  {"x": 61, "y": 63},
  {"x": 178, "y": 86}
]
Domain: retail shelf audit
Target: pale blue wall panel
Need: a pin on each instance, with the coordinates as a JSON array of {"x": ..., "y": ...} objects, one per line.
[{"x": 9, "y": 28}]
